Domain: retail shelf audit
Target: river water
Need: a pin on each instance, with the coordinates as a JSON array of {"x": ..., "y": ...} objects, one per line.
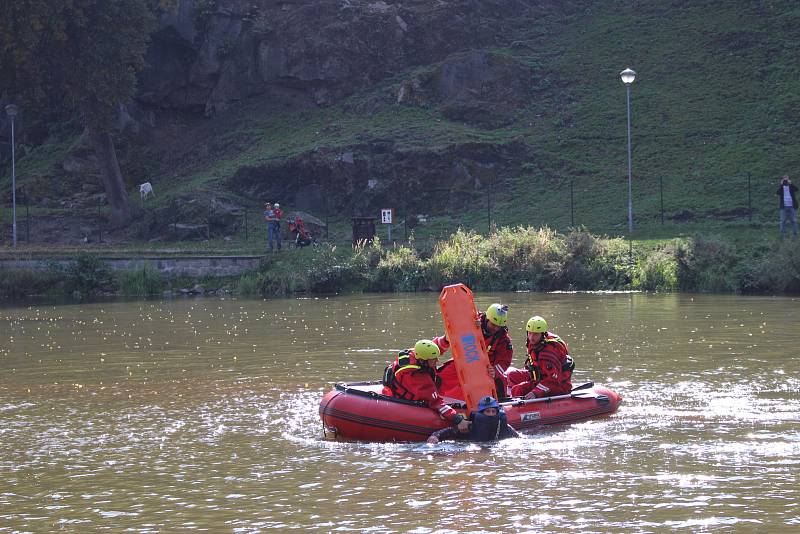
[{"x": 202, "y": 415}]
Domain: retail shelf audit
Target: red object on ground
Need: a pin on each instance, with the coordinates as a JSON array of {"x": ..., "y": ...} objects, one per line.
[{"x": 360, "y": 412}]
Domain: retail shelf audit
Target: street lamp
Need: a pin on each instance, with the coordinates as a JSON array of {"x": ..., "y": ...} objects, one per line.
[
  {"x": 628, "y": 75},
  {"x": 11, "y": 111}
]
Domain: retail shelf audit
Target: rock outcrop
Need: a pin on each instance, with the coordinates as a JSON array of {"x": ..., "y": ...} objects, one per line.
[
  {"x": 210, "y": 53},
  {"x": 363, "y": 177}
]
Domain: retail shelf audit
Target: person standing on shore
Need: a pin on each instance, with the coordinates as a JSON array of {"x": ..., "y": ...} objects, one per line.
[
  {"x": 269, "y": 217},
  {"x": 788, "y": 204},
  {"x": 276, "y": 225}
]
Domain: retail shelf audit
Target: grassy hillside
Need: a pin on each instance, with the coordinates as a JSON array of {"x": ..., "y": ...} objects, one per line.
[{"x": 715, "y": 105}]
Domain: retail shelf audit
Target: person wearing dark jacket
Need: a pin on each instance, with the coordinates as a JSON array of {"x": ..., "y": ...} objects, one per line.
[
  {"x": 788, "y": 204},
  {"x": 488, "y": 423}
]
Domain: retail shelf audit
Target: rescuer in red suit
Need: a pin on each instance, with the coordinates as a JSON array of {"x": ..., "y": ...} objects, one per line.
[
  {"x": 548, "y": 368},
  {"x": 412, "y": 376},
  {"x": 498, "y": 345}
]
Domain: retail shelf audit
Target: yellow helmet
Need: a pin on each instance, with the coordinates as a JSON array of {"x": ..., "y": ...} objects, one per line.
[
  {"x": 536, "y": 324},
  {"x": 497, "y": 314},
  {"x": 425, "y": 349}
]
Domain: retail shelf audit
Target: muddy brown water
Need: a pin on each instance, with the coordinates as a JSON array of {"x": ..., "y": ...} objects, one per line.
[{"x": 201, "y": 415}]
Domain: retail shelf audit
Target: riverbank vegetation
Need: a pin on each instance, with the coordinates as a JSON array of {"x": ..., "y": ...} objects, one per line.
[
  {"x": 536, "y": 259},
  {"x": 509, "y": 259}
]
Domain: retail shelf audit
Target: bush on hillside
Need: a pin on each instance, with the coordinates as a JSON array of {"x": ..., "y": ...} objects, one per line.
[
  {"x": 778, "y": 270},
  {"x": 461, "y": 258},
  {"x": 141, "y": 282},
  {"x": 400, "y": 269},
  {"x": 88, "y": 275},
  {"x": 17, "y": 284},
  {"x": 707, "y": 263},
  {"x": 525, "y": 258},
  {"x": 657, "y": 271},
  {"x": 323, "y": 269},
  {"x": 592, "y": 262}
]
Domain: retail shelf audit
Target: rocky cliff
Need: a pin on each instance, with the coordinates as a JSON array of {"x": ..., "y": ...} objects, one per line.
[
  {"x": 210, "y": 53},
  {"x": 447, "y": 56}
]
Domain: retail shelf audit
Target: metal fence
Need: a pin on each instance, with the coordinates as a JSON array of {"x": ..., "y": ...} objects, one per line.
[{"x": 659, "y": 202}]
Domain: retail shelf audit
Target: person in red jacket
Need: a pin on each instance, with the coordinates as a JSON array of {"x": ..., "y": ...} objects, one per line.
[
  {"x": 548, "y": 368},
  {"x": 498, "y": 345},
  {"x": 412, "y": 376}
]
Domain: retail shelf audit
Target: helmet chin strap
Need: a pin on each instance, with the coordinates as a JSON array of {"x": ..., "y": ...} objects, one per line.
[{"x": 484, "y": 324}]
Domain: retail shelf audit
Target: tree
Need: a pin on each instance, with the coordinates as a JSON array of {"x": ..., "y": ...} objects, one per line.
[{"x": 86, "y": 53}]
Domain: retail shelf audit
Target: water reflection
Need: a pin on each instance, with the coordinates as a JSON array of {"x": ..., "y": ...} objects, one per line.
[{"x": 202, "y": 415}]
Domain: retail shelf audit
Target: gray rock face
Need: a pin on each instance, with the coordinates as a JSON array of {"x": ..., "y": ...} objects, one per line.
[
  {"x": 323, "y": 181},
  {"x": 475, "y": 86},
  {"x": 211, "y": 53}
]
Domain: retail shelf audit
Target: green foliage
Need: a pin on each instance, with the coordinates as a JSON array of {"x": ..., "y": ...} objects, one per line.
[
  {"x": 16, "y": 284},
  {"x": 594, "y": 262},
  {"x": 322, "y": 269},
  {"x": 142, "y": 282},
  {"x": 461, "y": 258},
  {"x": 88, "y": 52},
  {"x": 399, "y": 269},
  {"x": 87, "y": 275},
  {"x": 707, "y": 263},
  {"x": 249, "y": 285},
  {"x": 777, "y": 270},
  {"x": 656, "y": 271}
]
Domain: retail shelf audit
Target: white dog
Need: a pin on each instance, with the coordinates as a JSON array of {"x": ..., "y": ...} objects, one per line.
[{"x": 146, "y": 190}]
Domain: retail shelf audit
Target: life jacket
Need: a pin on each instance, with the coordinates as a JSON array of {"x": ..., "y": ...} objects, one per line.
[
  {"x": 567, "y": 365},
  {"x": 487, "y": 427},
  {"x": 406, "y": 363}
]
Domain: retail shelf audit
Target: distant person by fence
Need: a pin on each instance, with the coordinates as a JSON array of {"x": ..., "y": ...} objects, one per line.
[
  {"x": 272, "y": 216},
  {"x": 788, "y": 204}
]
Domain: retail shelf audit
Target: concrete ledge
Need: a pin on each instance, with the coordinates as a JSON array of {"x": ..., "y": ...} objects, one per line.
[{"x": 191, "y": 266}]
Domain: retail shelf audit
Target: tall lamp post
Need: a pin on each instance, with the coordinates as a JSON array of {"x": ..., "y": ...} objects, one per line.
[
  {"x": 628, "y": 75},
  {"x": 11, "y": 111}
]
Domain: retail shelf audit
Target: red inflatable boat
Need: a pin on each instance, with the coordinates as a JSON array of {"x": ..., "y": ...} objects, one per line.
[{"x": 359, "y": 412}]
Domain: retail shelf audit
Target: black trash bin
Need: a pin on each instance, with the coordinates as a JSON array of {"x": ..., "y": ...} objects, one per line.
[{"x": 363, "y": 229}]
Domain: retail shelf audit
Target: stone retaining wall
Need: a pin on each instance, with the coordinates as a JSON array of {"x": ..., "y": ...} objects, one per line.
[{"x": 195, "y": 266}]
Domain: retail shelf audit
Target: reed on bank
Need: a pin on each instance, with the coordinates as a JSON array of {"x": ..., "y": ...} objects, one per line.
[{"x": 535, "y": 259}]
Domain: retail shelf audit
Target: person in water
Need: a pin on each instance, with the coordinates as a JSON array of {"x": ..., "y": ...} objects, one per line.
[
  {"x": 412, "y": 376},
  {"x": 488, "y": 423},
  {"x": 498, "y": 346},
  {"x": 548, "y": 368}
]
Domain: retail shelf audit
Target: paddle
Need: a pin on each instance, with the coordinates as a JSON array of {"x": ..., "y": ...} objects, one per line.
[
  {"x": 574, "y": 394},
  {"x": 579, "y": 392}
]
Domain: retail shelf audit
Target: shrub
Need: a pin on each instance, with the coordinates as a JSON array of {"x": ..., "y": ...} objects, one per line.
[
  {"x": 525, "y": 257},
  {"x": 20, "y": 283},
  {"x": 141, "y": 282},
  {"x": 249, "y": 285},
  {"x": 776, "y": 270},
  {"x": 399, "y": 269},
  {"x": 707, "y": 263},
  {"x": 657, "y": 271},
  {"x": 88, "y": 275},
  {"x": 461, "y": 258}
]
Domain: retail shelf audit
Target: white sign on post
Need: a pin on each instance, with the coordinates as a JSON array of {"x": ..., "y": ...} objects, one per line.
[{"x": 387, "y": 216}]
